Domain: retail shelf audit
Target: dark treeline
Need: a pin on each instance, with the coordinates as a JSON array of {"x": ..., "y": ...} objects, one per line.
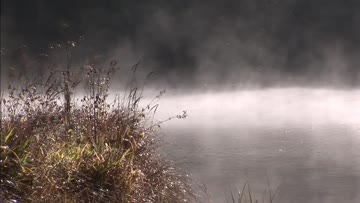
[{"x": 172, "y": 35}]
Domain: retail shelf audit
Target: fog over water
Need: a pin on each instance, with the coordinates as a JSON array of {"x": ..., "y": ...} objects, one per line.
[
  {"x": 266, "y": 107},
  {"x": 303, "y": 140},
  {"x": 271, "y": 87}
]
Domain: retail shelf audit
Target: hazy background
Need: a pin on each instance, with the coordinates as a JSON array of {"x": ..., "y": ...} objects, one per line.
[
  {"x": 195, "y": 43},
  {"x": 271, "y": 86}
]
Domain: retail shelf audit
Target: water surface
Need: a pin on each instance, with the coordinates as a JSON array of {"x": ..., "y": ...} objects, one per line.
[{"x": 304, "y": 141}]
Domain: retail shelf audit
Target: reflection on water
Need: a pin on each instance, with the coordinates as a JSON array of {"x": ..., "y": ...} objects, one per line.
[
  {"x": 309, "y": 165},
  {"x": 306, "y": 142}
]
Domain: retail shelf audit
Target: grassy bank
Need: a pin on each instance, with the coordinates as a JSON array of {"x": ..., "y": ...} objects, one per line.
[{"x": 54, "y": 149}]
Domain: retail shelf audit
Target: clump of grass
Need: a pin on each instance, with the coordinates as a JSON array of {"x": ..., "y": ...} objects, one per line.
[
  {"x": 245, "y": 195},
  {"x": 94, "y": 151}
]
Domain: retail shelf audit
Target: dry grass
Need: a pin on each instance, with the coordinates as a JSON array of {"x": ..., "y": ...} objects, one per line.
[
  {"x": 91, "y": 152},
  {"x": 55, "y": 149},
  {"x": 245, "y": 195}
]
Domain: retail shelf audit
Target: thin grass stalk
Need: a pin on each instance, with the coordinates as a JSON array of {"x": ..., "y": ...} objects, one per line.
[{"x": 67, "y": 93}]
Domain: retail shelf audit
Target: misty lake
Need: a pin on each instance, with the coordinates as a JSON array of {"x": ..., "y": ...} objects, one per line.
[{"x": 304, "y": 141}]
